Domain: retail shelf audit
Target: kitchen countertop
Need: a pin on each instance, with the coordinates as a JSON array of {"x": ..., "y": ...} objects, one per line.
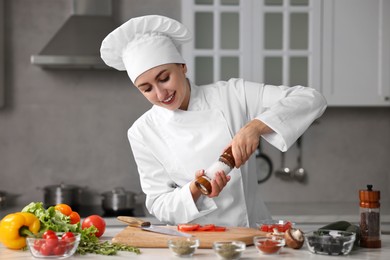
[
  {"x": 249, "y": 253},
  {"x": 307, "y": 216}
]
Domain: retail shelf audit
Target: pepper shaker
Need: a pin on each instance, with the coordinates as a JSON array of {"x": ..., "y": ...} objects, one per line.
[
  {"x": 370, "y": 232},
  {"x": 224, "y": 163}
]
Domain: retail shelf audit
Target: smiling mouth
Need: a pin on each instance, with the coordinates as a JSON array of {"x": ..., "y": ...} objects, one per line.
[{"x": 169, "y": 100}]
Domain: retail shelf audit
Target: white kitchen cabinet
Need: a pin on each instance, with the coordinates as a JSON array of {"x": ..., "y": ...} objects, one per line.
[
  {"x": 356, "y": 52},
  {"x": 339, "y": 47},
  {"x": 271, "y": 41},
  {"x": 2, "y": 82}
]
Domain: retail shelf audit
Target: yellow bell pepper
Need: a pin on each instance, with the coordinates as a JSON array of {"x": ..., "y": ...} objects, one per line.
[{"x": 14, "y": 227}]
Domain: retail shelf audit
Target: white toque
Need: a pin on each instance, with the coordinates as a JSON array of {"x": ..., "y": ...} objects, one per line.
[{"x": 143, "y": 43}]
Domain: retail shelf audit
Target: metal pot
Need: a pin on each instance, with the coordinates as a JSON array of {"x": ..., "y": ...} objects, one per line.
[
  {"x": 118, "y": 200},
  {"x": 3, "y": 199},
  {"x": 62, "y": 193}
]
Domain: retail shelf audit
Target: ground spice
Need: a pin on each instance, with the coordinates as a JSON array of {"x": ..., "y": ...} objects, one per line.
[
  {"x": 229, "y": 251},
  {"x": 370, "y": 233},
  {"x": 370, "y": 230},
  {"x": 183, "y": 247},
  {"x": 269, "y": 246}
]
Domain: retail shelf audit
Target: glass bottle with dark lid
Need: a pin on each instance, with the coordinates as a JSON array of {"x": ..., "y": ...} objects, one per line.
[{"x": 370, "y": 231}]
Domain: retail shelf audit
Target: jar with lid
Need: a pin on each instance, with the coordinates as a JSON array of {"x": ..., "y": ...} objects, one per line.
[
  {"x": 370, "y": 232},
  {"x": 225, "y": 163}
]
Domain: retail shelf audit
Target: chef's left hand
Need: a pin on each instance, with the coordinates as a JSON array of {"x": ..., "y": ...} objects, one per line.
[{"x": 245, "y": 142}]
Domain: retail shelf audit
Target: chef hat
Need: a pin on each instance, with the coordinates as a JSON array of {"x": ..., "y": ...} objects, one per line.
[{"x": 143, "y": 43}]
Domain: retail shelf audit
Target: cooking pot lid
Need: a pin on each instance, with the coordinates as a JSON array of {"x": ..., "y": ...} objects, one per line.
[
  {"x": 61, "y": 186},
  {"x": 117, "y": 191}
]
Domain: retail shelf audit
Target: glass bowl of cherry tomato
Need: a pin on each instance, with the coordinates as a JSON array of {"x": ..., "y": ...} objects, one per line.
[{"x": 52, "y": 244}]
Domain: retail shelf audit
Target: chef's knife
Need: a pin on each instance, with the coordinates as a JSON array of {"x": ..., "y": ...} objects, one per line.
[{"x": 144, "y": 225}]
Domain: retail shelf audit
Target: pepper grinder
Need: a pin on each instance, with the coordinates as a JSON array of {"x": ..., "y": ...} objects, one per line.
[
  {"x": 224, "y": 163},
  {"x": 370, "y": 231}
]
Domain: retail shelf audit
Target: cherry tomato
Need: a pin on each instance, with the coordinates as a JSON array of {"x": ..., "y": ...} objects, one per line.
[
  {"x": 68, "y": 237},
  {"x": 74, "y": 217},
  {"x": 48, "y": 233},
  {"x": 64, "y": 209},
  {"x": 38, "y": 244},
  {"x": 45, "y": 249},
  {"x": 51, "y": 240},
  {"x": 60, "y": 248},
  {"x": 188, "y": 227},
  {"x": 97, "y": 221}
]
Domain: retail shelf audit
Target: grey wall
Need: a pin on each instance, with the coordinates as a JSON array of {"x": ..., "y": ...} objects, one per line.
[{"x": 70, "y": 126}]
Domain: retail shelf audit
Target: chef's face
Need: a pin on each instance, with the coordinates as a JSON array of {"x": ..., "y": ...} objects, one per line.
[{"x": 166, "y": 86}]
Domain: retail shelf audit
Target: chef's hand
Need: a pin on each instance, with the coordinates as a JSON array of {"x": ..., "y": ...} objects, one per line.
[
  {"x": 217, "y": 184},
  {"x": 247, "y": 139}
]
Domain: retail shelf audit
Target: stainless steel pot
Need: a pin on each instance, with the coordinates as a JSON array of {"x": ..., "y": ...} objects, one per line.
[
  {"x": 3, "y": 199},
  {"x": 62, "y": 193},
  {"x": 118, "y": 199}
]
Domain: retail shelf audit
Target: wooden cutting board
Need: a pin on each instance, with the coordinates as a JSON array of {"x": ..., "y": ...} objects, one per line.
[{"x": 145, "y": 239}]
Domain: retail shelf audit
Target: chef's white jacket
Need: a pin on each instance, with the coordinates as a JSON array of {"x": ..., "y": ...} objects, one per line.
[{"x": 170, "y": 146}]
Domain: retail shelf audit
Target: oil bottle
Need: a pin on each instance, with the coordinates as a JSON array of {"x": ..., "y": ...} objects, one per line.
[
  {"x": 370, "y": 231},
  {"x": 224, "y": 163}
]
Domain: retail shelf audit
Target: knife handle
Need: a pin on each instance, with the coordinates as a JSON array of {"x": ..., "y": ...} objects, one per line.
[{"x": 134, "y": 222}]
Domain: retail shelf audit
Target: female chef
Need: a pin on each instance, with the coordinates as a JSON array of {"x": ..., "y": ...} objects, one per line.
[{"x": 189, "y": 126}]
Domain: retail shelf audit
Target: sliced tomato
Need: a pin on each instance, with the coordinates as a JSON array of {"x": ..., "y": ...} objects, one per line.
[
  {"x": 208, "y": 227},
  {"x": 188, "y": 227},
  {"x": 219, "y": 228},
  {"x": 264, "y": 228}
]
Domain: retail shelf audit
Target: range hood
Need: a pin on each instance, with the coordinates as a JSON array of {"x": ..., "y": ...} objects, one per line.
[{"x": 76, "y": 45}]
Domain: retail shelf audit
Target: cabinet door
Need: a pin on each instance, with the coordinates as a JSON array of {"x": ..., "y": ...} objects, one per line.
[
  {"x": 218, "y": 50},
  {"x": 269, "y": 41},
  {"x": 356, "y": 52},
  {"x": 2, "y": 81}
]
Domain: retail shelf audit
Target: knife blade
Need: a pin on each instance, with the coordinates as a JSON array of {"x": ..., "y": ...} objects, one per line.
[{"x": 147, "y": 226}]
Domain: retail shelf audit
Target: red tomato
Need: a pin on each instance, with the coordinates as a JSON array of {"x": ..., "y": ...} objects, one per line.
[
  {"x": 68, "y": 237},
  {"x": 188, "y": 227},
  {"x": 51, "y": 240},
  {"x": 60, "y": 248},
  {"x": 38, "y": 244},
  {"x": 97, "y": 221},
  {"x": 45, "y": 249},
  {"x": 208, "y": 227},
  {"x": 219, "y": 228},
  {"x": 64, "y": 209},
  {"x": 74, "y": 217},
  {"x": 48, "y": 233},
  {"x": 264, "y": 228}
]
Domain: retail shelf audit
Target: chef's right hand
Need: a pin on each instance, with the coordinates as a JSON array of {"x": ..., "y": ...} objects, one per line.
[{"x": 217, "y": 184}]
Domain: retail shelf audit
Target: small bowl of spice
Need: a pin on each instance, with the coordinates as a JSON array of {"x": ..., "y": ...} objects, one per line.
[
  {"x": 183, "y": 247},
  {"x": 229, "y": 249},
  {"x": 269, "y": 245}
]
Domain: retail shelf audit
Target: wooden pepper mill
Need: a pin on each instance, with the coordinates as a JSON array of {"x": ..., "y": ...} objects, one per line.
[
  {"x": 370, "y": 231},
  {"x": 225, "y": 163}
]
